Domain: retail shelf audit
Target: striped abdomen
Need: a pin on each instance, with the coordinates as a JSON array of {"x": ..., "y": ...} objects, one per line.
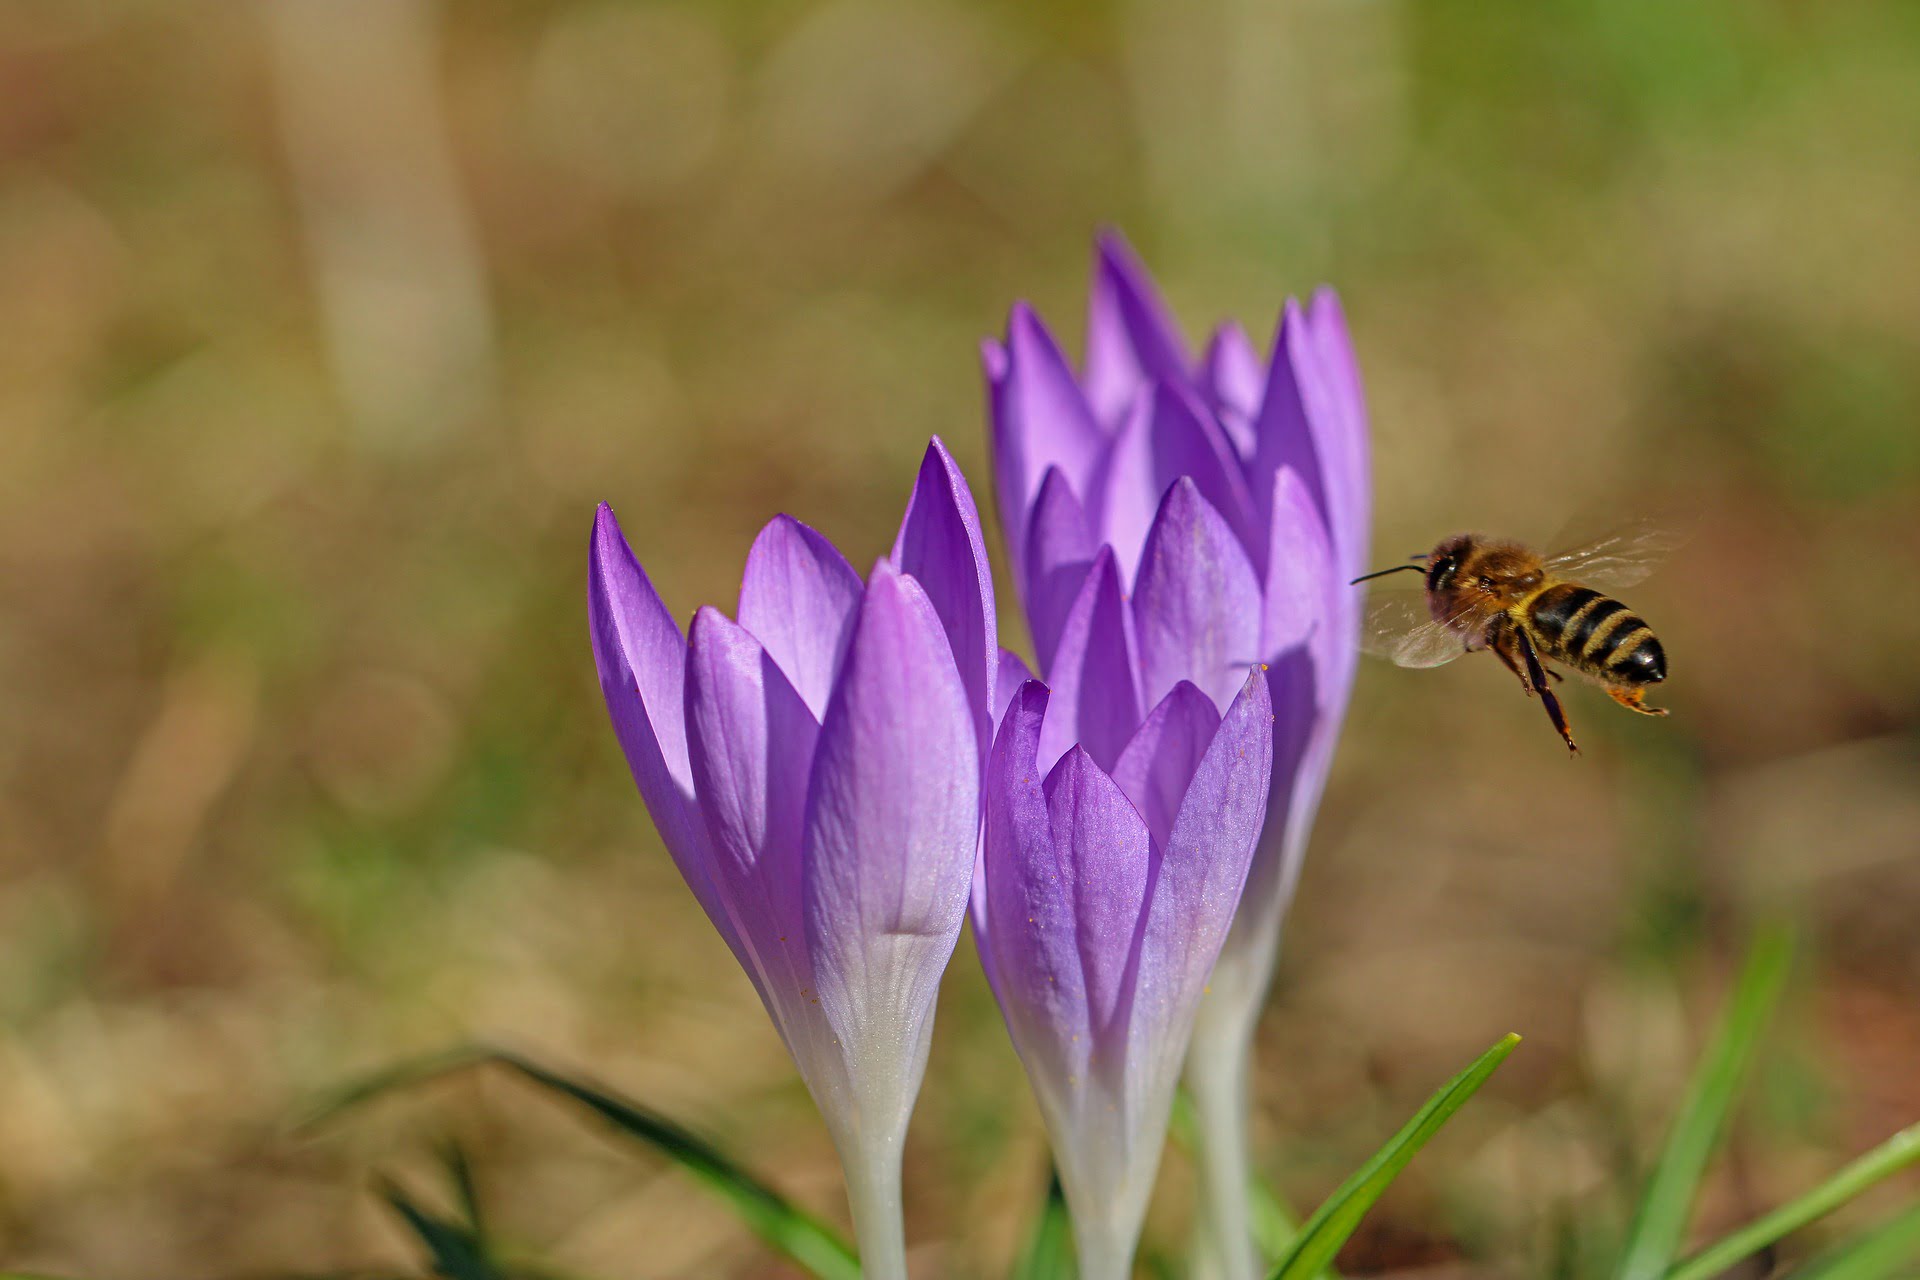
[{"x": 1595, "y": 634}]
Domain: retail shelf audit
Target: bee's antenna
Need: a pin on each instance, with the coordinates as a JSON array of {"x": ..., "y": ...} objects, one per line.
[{"x": 1399, "y": 568}]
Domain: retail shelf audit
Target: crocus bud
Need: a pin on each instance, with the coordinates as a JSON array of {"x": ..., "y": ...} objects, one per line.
[
  {"x": 814, "y": 770},
  {"x": 1106, "y": 896}
]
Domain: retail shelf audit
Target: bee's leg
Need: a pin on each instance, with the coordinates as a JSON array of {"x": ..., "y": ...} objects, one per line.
[
  {"x": 1630, "y": 695},
  {"x": 1535, "y": 676},
  {"x": 1503, "y": 643},
  {"x": 1552, "y": 675}
]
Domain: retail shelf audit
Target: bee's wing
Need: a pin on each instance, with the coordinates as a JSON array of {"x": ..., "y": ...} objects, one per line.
[
  {"x": 1399, "y": 629},
  {"x": 1622, "y": 558}
]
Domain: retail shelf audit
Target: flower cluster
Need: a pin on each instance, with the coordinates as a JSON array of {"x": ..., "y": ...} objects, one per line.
[
  {"x": 839, "y": 770},
  {"x": 1172, "y": 519}
]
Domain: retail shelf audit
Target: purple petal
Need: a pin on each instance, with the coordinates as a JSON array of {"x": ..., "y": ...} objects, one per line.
[
  {"x": 1178, "y": 438},
  {"x": 1301, "y": 574},
  {"x": 1305, "y": 733},
  {"x": 797, "y": 597},
  {"x": 940, "y": 545},
  {"x": 1030, "y": 948},
  {"x": 1095, "y": 701},
  {"x": 1059, "y": 551},
  {"x": 993, "y": 359},
  {"x": 642, "y": 661},
  {"x": 1343, "y": 443},
  {"x": 1013, "y": 674},
  {"x": 1158, "y": 764},
  {"x": 1131, "y": 339},
  {"x": 1231, "y": 374},
  {"x": 1285, "y": 434},
  {"x": 1040, "y": 419},
  {"x": 892, "y": 820},
  {"x": 1123, "y": 498},
  {"x": 1102, "y": 852},
  {"x": 1196, "y": 605},
  {"x": 1202, "y": 869},
  {"x": 751, "y": 739}
]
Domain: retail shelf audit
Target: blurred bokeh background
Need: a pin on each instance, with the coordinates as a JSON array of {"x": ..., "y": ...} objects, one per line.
[{"x": 325, "y": 323}]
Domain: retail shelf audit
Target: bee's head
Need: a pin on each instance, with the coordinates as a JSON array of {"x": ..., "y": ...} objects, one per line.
[{"x": 1444, "y": 561}]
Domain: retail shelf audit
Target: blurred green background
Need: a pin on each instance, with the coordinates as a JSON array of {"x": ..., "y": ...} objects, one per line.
[{"x": 325, "y": 323}]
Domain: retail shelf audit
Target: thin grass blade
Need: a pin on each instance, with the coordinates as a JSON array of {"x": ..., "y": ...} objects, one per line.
[
  {"x": 788, "y": 1229},
  {"x": 1048, "y": 1252},
  {"x": 401, "y": 1075},
  {"x": 1899, "y": 1152},
  {"x": 1888, "y": 1252},
  {"x": 466, "y": 1189},
  {"x": 800, "y": 1236},
  {"x": 1313, "y": 1249},
  {"x": 455, "y": 1253},
  {"x": 1660, "y": 1221}
]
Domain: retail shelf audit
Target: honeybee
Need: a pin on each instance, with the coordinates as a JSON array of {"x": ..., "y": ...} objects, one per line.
[{"x": 1486, "y": 593}]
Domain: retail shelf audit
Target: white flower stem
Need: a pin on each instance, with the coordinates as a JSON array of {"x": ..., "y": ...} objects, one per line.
[
  {"x": 1102, "y": 1251},
  {"x": 1217, "y": 1066},
  {"x": 874, "y": 1194}
]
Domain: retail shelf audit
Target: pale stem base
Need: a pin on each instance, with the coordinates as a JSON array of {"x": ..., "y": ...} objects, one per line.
[
  {"x": 1103, "y": 1248},
  {"x": 872, "y": 1171},
  {"x": 1217, "y": 1080}
]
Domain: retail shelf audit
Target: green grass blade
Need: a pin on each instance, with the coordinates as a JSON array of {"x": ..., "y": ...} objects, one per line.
[
  {"x": 402, "y": 1075},
  {"x": 801, "y": 1237},
  {"x": 1660, "y": 1221},
  {"x": 791, "y": 1231},
  {"x": 455, "y": 1253},
  {"x": 1900, "y": 1151},
  {"x": 1313, "y": 1249},
  {"x": 1888, "y": 1252},
  {"x": 1048, "y": 1252},
  {"x": 465, "y": 1189}
]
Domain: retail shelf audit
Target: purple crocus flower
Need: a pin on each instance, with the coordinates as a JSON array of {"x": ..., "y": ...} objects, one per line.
[
  {"x": 1171, "y": 519},
  {"x": 1106, "y": 896},
  {"x": 814, "y": 770}
]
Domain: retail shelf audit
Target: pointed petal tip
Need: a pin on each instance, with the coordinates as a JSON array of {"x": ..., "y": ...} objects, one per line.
[
  {"x": 1325, "y": 306},
  {"x": 606, "y": 531},
  {"x": 1112, "y": 247},
  {"x": 783, "y": 525},
  {"x": 1030, "y": 698},
  {"x": 1106, "y": 561},
  {"x": 1180, "y": 494},
  {"x": 711, "y": 626},
  {"x": 1258, "y": 686},
  {"x": 993, "y": 359},
  {"x": 886, "y": 573},
  {"x": 1026, "y": 329},
  {"x": 1074, "y": 763}
]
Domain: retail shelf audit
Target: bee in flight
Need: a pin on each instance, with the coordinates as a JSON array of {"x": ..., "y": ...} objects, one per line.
[{"x": 1484, "y": 593}]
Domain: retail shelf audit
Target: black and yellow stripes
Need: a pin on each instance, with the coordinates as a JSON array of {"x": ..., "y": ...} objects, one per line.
[
  {"x": 1549, "y": 612},
  {"x": 1594, "y": 634}
]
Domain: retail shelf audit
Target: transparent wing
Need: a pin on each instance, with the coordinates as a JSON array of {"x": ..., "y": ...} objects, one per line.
[
  {"x": 1622, "y": 558},
  {"x": 1399, "y": 629}
]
